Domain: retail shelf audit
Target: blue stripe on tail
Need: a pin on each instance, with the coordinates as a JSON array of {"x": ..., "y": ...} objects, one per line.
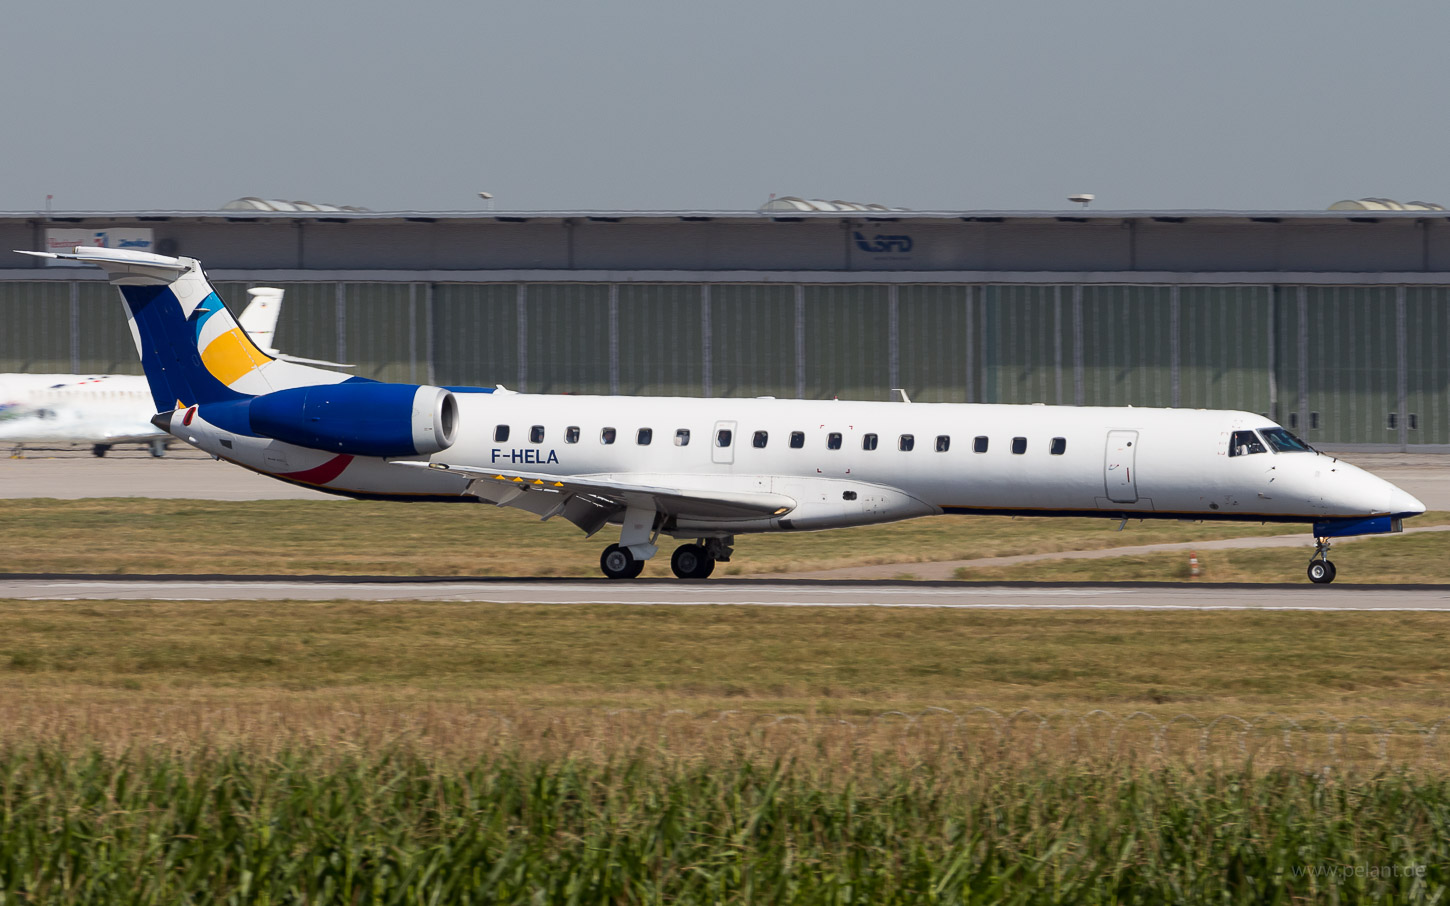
[{"x": 169, "y": 354}]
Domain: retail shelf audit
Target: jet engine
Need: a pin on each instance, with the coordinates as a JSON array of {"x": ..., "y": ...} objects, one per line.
[{"x": 363, "y": 418}]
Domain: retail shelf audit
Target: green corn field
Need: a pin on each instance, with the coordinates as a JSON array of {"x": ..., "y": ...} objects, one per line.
[{"x": 298, "y": 826}]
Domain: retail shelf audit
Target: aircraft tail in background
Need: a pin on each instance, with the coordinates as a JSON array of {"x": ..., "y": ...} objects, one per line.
[{"x": 259, "y": 320}]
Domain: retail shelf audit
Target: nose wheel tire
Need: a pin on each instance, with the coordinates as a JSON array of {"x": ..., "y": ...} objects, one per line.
[
  {"x": 1321, "y": 572},
  {"x": 690, "y": 561},
  {"x": 618, "y": 563}
]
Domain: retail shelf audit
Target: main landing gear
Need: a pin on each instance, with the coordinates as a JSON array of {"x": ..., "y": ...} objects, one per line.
[
  {"x": 618, "y": 563},
  {"x": 625, "y": 560},
  {"x": 1321, "y": 568},
  {"x": 692, "y": 561}
]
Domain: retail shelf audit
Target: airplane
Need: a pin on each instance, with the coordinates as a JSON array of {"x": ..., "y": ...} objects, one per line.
[
  {"x": 703, "y": 471},
  {"x": 107, "y": 409}
]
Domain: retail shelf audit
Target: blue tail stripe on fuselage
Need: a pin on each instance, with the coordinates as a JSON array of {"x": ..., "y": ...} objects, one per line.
[{"x": 169, "y": 355}]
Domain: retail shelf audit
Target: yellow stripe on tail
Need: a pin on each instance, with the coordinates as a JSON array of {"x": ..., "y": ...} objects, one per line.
[{"x": 232, "y": 355}]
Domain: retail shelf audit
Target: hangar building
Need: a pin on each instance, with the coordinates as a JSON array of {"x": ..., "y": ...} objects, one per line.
[{"x": 1334, "y": 323}]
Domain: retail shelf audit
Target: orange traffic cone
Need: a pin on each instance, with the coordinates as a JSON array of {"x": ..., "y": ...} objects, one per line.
[{"x": 1192, "y": 565}]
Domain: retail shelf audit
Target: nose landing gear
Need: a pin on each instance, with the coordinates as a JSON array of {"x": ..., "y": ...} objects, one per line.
[{"x": 1321, "y": 568}]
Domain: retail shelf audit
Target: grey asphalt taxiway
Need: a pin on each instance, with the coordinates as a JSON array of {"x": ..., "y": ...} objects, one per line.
[{"x": 953, "y": 595}]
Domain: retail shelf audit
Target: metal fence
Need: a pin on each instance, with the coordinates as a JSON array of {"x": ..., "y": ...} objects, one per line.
[{"x": 1337, "y": 364}]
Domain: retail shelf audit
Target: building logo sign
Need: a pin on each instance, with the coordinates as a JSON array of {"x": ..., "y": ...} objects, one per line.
[
  {"x": 64, "y": 240},
  {"x": 883, "y": 247}
]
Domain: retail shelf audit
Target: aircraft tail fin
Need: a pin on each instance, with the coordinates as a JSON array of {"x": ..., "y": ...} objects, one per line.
[
  {"x": 259, "y": 318},
  {"x": 192, "y": 350}
]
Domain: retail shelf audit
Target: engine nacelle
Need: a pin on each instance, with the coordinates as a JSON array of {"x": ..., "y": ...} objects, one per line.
[{"x": 364, "y": 418}]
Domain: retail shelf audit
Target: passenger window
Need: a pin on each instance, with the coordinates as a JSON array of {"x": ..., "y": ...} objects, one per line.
[
  {"x": 1059, "y": 446},
  {"x": 980, "y": 444},
  {"x": 644, "y": 436},
  {"x": 797, "y": 439},
  {"x": 682, "y": 437},
  {"x": 943, "y": 443},
  {"x": 833, "y": 441},
  {"x": 536, "y": 434},
  {"x": 1019, "y": 445},
  {"x": 501, "y": 434},
  {"x": 1245, "y": 443},
  {"x": 724, "y": 437},
  {"x": 571, "y": 434},
  {"x": 606, "y": 436},
  {"x": 760, "y": 440},
  {"x": 868, "y": 441},
  {"x": 906, "y": 444}
]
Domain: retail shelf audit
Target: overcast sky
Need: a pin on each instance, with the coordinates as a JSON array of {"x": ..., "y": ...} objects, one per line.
[{"x": 673, "y": 105}]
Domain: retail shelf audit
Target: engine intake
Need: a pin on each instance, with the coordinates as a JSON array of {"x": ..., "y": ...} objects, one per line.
[{"x": 364, "y": 419}]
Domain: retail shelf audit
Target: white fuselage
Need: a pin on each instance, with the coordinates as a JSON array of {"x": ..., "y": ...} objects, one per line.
[
  {"x": 1073, "y": 461},
  {"x": 76, "y": 409}
]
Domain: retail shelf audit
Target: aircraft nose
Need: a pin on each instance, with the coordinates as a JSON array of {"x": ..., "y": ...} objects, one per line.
[{"x": 1403, "y": 503}]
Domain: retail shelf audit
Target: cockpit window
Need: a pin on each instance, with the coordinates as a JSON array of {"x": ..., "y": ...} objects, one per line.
[
  {"x": 1281, "y": 441},
  {"x": 1245, "y": 443}
]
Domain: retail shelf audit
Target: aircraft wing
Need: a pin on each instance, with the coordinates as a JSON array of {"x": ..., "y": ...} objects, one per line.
[{"x": 590, "y": 501}]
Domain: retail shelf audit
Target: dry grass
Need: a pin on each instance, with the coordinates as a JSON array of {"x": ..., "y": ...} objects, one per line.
[
  {"x": 828, "y": 662},
  {"x": 131, "y": 535},
  {"x": 1393, "y": 559}
]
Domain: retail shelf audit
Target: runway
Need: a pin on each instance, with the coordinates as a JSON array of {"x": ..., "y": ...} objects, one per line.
[{"x": 955, "y": 595}]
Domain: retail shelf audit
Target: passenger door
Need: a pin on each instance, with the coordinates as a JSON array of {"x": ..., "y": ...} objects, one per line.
[{"x": 1118, "y": 467}]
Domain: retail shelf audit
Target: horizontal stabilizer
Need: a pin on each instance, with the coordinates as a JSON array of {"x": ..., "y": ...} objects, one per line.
[
  {"x": 108, "y": 258},
  {"x": 301, "y": 361}
]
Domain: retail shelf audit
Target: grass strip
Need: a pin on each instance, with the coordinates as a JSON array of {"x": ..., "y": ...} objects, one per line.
[
  {"x": 140, "y": 535},
  {"x": 1392, "y": 559},
  {"x": 796, "y": 660}
]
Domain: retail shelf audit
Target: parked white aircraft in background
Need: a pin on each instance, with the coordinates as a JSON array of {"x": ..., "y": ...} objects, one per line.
[
  {"x": 705, "y": 470},
  {"x": 105, "y": 409}
]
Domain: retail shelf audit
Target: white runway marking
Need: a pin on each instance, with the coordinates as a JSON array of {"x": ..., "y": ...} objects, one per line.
[{"x": 902, "y": 595}]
